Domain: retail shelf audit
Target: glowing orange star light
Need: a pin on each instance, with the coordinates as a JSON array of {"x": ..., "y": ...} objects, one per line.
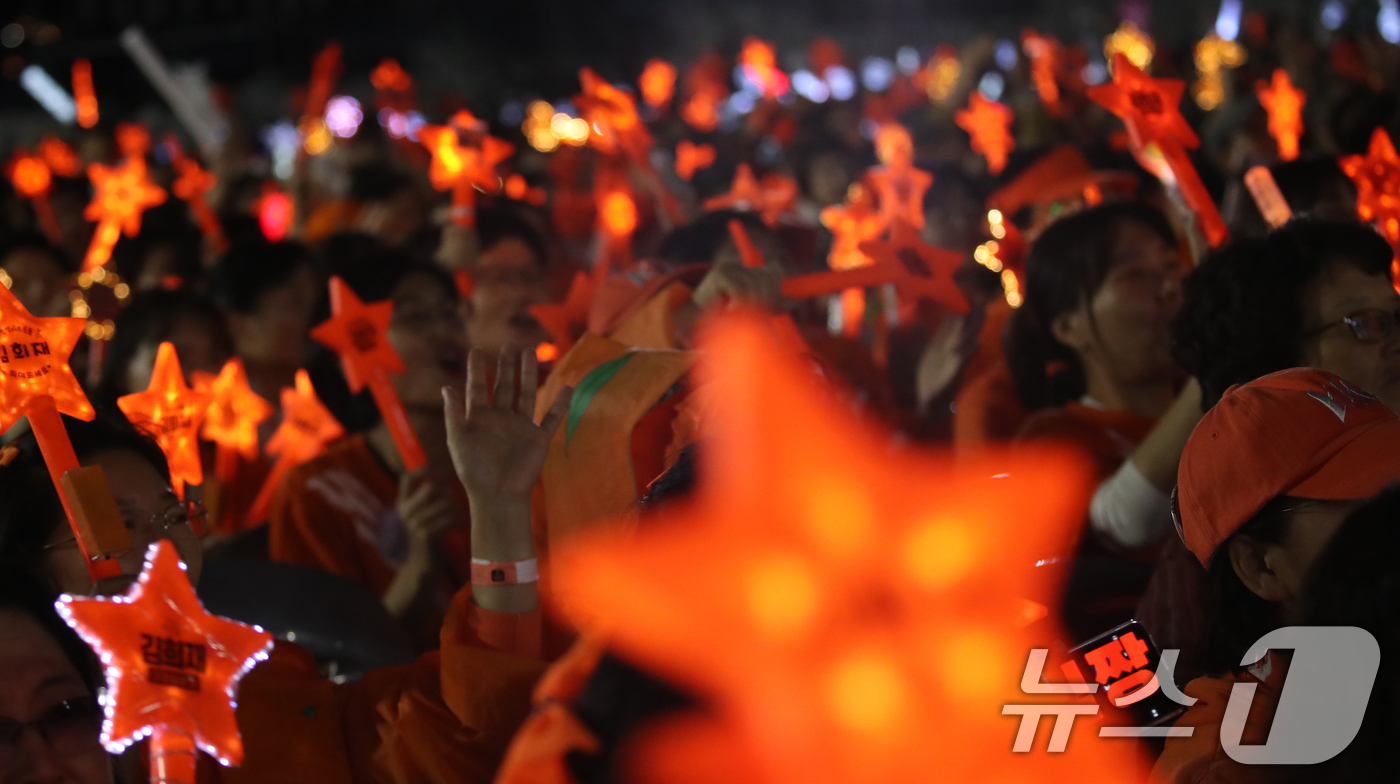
[
  {"x": 120, "y": 195},
  {"x": 989, "y": 125},
  {"x": 1044, "y": 53},
  {"x": 1150, "y": 110},
  {"x": 172, "y": 669},
  {"x": 83, "y": 96},
  {"x": 133, "y": 140},
  {"x": 657, "y": 83},
  {"x": 191, "y": 184},
  {"x": 866, "y": 606},
  {"x": 33, "y": 180},
  {"x": 517, "y": 188},
  {"x": 356, "y": 331},
  {"x": 851, "y": 224},
  {"x": 898, "y": 186},
  {"x": 234, "y": 413},
  {"x": 940, "y": 75},
  {"x": 36, "y": 381},
  {"x": 617, "y": 220},
  {"x": 931, "y": 268},
  {"x": 1377, "y": 178},
  {"x": 771, "y": 197},
  {"x": 60, "y": 157},
  {"x": 307, "y": 426},
  {"x": 692, "y": 157},
  {"x": 760, "y": 67},
  {"x": 171, "y": 413},
  {"x": 463, "y": 168},
  {"x": 1284, "y": 104},
  {"x": 393, "y": 86}
]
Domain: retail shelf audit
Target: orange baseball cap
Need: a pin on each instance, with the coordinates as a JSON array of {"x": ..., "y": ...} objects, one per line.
[{"x": 1300, "y": 432}]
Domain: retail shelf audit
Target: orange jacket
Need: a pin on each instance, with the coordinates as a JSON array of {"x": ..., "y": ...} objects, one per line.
[{"x": 1201, "y": 759}]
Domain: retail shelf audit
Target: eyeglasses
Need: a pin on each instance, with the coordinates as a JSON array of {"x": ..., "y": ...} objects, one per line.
[
  {"x": 70, "y": 727},
  {"x": 182, "y": 514},
  {"x": 1368, "y": 326}
]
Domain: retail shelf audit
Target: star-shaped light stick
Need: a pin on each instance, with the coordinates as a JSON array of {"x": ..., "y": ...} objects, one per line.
[
  {"x": 463, "y": 168},
  {"x": 989, "y": 125},
  {"x": 84, "y": 98},
  {"x": 1377, "y": 178},
  {"x": 33, "y": 180},
  {"x": 867, "y": 604},
  {"x": 771, "y": 197},
  {"x": 692, "y": 157},
  {"x": 618, "y": 129},
  {"x": 1284, "y": 104},
  {"x": 563, "y": 320},
  {"x": 898, "y": 186},
  {"x": 36, "y": 381},
  {"x": 61, "y": 158},
  {"x": 356, "y": 331},
  {"x": 1150, "y": 110},
  {"x": 617, "y": 220},
  {"x": 172, "y": 669},
  {"x": 234, "y": 413},
  {"x": 658, "y": 83},
  {"x": 120, "y": 195},
  {"x": 171, "y": 413},
  {"x": 307, "y": 426},
  {"x": 191, "y": 184},
  {"x": 1044, "y": 53}
]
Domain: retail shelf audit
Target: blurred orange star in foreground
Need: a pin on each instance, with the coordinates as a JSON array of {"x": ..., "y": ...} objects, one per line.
[{"x": 852, "y": 612}]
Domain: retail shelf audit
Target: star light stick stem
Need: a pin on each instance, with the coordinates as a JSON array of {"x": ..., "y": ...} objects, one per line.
[
  {"x": 1194, "y": 192},
  {"x": 43, "y": 210},
  {"x": 386, "y": 398},
  {"x": 173, "y": 756},
  {"x": 60, "y": 458}
]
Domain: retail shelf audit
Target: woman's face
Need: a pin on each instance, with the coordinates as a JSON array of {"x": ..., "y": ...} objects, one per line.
[
  {"x": 195, "y": 345},
  {"x": 508, "y": 279},
  {"x": 275, "y": 332},
  {"x": 1124, "y": 332},
  {"x": 1344, "y": 291},
  {"x": 40, "y": 686},
  {"x": 151, "y": 512},
  {"x": 428, "y": 333}
]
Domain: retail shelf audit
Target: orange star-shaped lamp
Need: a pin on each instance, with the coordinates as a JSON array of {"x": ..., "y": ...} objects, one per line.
[
  {"x": 357, "y": 332},
  {"x": 463, "y": 168},
  {"x": 760, "y": 67},
  {"x": 989, "y": 125},
  {"x": 60, "y": 157},
  {"x": 33, "y": 180},
  {"x": 120, "y": 195},
  {"x": 692, "y": 157},
  {"x": 613, "y": 116},
  {"x": 172, "y": 669},
  {"x": 565, "y": 320},
  {"x": 1150, "y": 110},
  {"x": 898, "y": 186},
  {"x": 930, "y": 269},
  {"x": 1377, "y": 178},
  {"x": 234, "y": 413},
  {"x": 1044, "y": 53},
  {"x": 307, "y": 426},
  {"x": 1284, "y": 104},
  {"x": 171, "y": 413},
  {"x": 191, "y": 184},
  {"x": 870, "y": 606},
  {"x": 771, "y": 197},
  {"x": 851, "y": 224},
  {"x": 84, "y": 98},
  {"x": 658, "y": 83}
]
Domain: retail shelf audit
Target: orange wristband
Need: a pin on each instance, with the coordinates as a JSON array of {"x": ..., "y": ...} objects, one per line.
[{"x": 505, "y": 572}]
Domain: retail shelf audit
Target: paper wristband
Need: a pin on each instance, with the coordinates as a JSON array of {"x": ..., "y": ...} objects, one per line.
[{"x": 505, "y": 572}]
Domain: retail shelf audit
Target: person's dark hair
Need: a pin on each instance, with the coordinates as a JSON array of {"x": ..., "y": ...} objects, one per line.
[
  {"x": 376, "y": 181},
  {"x": 30, "y": 240},
  {"x": 28, "y": 596},
  {"x": 250, "y": 269},
  {"x": 1237, "y": 616},
  {"x": 150, "y": 319},
  {"x": 32, "y": 508},
  {"x": 373, "y": 277},
  {"x": 1242, "y": 309},
  {"x": 698, "y": 241},
  {"x": 1305, "y": 184},
  {"x": 1065, "y": 268},
  {"x": 494, "y": 224},
  {"x": 165, "y": 226}
]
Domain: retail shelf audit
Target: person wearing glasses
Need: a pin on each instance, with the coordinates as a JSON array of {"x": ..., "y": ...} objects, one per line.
[
  {"x": 1312, "y": 293},
  {"x": 49, "y": 715}
]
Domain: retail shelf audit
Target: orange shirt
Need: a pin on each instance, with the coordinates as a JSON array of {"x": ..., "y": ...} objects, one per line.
[
  {"x": 986, "y": 410},
  {"x": 1201, "y": 759},
  {"x": 1109, "y": 437},
  {"x": 337, "y": 513}
]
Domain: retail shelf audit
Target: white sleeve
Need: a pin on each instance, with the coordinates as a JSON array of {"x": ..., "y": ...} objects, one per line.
[{"x": 1128, "y": 510}]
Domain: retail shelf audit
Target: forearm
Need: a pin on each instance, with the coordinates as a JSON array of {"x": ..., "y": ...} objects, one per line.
[
  {"x": 501, "y": 532},
  {"x": 1160, "y": 453},
  {"x": 408, "y": 585}
]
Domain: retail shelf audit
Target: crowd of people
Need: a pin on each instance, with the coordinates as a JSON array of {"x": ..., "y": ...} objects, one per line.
[{"x": 1236, "y": 404}]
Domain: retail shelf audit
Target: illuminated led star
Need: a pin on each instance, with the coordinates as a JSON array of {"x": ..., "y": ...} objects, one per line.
[
  {"x": 60, "y": 157},
  {"x": 989, "y": 125},
  {"x": 171, "y": 413},
  {"x": 612, "y": 114},
  {"x": 168, "y": 662},
  {"x": 1044, "y": 53},
  {"x": 357, "y": 333},
  {"x": 1149, "y": 108},
  {"x": 29, "y": 174},
  {"x": 869, "y": 599},
  {"x": 1377, "y": 178},
  {"x": 34, "y": 361},
  {"x": 929, "y": 269},
  {"x": 235, "y": 410},
  {"x": 658, "y": 83},
  {"x": 692, "y": 157},
  {"x": 462, "y": 168},
  {"x": 898, "y": 186},
  {"x": 851, "y": 224},
  {"x": 307, "y": 425},
  {"x": 1284, "y": 104},
  {"x": 771, "y": 197},
  {"x": 120, "y": 195}
]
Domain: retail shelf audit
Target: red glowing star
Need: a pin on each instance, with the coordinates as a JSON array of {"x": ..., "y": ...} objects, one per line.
[
  {"x": 898, "y": 185},
  {"x": 60, "y": 157},
  {"x": 191, "y": 184},
  {"x": 1044, "y": 54},
  {"x": 851, "y": 224},
  {"x": 1377, "y": 178},
  {"x": 389, "y": 75},
  {"x": 1284, "y": 104},
  {"x": 760, "y": 67},
  {"x": 170, "y": 665},
  {"x": 171, "y": 413},
  {"x": 930, "y": 269},
  {"x": 29, "y": 174},
  {"x": 771, "y": 197},
  {"x": 612, "y": 114},
  {"x": 989, "y": 125},
  {"x": 34, "y": 361},
  {"x": 866, "y": 604},
  {"x": 84, "y": 98},
  {"x": 121, "y": 194},
  {"x": 517, "y": 188},
  {"x": 133, "y": 139},
  {"x": 691, "y": 157},
  {"x": 307, "y": 425},
  {"x": 462, "y": 168},
  {"x": 658, "y": 83},
  {"x": 1149, "y": 108},
  {"x": 235, "y": 410}
]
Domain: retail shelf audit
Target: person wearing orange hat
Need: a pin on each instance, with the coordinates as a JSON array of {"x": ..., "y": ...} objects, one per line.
[{"x": 1266, "y": 479}]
